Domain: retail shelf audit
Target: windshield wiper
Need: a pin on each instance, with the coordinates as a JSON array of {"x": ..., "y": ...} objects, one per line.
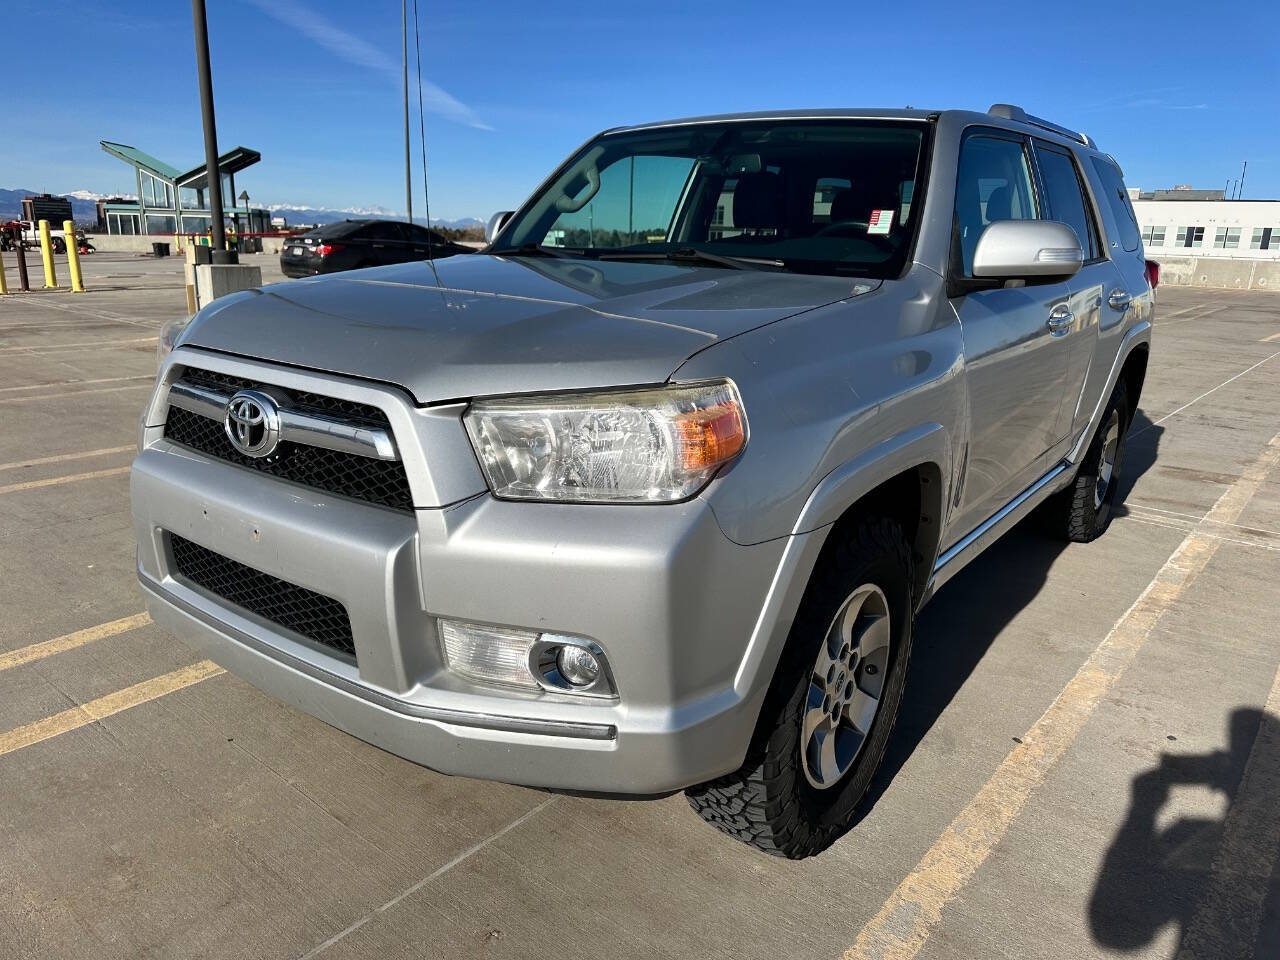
[
  {"x": 539, "y": 250},
  {"x": 692, "y": 255}
]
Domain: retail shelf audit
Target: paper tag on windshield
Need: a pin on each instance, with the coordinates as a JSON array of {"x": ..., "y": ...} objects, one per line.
[{"x": 880, "y": 221}]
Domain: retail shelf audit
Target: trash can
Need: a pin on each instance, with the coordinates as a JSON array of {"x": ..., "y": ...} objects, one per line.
[{"x": 160, "y": 249}]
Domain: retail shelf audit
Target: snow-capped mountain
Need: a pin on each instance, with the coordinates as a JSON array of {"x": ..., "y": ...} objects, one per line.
[{"x": 84, "y": 206}]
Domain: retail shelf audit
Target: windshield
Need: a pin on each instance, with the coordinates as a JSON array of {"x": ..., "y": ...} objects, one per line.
[{"x": 831, "y": 196}]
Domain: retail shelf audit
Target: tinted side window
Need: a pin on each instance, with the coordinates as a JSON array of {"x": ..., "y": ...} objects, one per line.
[
  {"x": 993, "y": 183},
  {"x": 381, "y": 231},
  {"x": 1118, "y": 200},
  {"x": 1063, "y": 197}
]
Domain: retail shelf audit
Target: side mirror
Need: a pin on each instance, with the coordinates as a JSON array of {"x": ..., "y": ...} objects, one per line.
[
  {"x": 1027, "y": 249},
  {"x": 496, "y": 223}
]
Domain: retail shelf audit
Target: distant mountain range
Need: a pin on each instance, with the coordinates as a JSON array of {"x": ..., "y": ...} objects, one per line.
[{"x": 84, "y": 207}]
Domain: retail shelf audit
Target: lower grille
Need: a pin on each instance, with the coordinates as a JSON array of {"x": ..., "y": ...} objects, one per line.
[{"x": 312, "y": 615}]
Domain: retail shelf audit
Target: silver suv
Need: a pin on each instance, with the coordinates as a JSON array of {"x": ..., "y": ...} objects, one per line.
[{"x": 645, "y": 497}]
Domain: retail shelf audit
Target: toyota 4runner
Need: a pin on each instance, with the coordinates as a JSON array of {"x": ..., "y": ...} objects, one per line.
[{"x": 645, "y": 496}]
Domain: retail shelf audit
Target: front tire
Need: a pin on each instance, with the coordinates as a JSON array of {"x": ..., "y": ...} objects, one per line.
[{"x": 831, "y": 706}]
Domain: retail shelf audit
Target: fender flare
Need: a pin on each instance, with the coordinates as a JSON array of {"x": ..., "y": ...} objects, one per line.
[{"x": 840, "y": 489}]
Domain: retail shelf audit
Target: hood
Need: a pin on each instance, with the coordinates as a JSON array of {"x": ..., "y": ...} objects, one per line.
[{"x": 496, "y": 325}]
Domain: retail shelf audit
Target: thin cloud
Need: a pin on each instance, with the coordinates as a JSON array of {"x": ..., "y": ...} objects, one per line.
[{"x": 346, "y": 46}]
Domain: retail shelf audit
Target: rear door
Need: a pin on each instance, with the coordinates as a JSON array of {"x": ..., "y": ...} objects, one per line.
[
  {"x": 1068, "y": 201},
  {"x": 1015, "y": 366}
]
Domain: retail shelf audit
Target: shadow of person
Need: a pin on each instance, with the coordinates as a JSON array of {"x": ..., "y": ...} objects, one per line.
[
  {"x": 1155, "y": 875},
  {"x": 953, "y": 632}
]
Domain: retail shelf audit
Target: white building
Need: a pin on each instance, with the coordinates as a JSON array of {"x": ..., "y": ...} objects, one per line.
[{"x": 1203, "y": 224}]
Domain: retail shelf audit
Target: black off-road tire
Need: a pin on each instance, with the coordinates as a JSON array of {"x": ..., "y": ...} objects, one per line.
[
  {"x": 1075, "y": 512},
  {"x": 769, "y": 803}
]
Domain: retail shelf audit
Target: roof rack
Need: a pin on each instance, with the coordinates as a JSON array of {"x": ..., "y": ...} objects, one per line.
[{"x": 1008, "y": 111}]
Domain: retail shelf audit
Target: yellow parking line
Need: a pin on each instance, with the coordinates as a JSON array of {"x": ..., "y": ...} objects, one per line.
[
  {"x": 903, "y": 925},
  {"x": 57, "y": 481},
  {"x": 74, "y": 383},
  {"x": 49, "y": 347},
  {"x": 87, "y": 713},
  {"x": 76, "y": 393},
  {"x": 1271, "y": 339},
  {"x": 63, "y": 457},
  {"x": 69, "y": 641}
]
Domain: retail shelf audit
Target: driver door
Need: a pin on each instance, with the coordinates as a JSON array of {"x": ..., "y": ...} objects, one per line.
[{"x": 1015, "y": 353}]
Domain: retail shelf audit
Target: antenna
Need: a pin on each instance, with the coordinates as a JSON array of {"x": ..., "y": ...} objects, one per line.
[
  {"x": 422, "y": 133},
  {"x": 404, "y": 38}
]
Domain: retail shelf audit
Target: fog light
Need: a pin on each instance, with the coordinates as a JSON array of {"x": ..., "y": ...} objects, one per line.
[{"x": 578, "y": 665}]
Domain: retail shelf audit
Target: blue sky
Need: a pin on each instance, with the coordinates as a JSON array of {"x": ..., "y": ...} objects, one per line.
[{"x": 1180, "y": 93}]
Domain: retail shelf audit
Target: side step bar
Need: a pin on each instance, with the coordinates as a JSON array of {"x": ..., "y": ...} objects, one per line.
[{"x": 956, "y": 558}]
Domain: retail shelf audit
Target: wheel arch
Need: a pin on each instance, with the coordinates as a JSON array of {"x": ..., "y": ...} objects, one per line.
[
  {"x": 904, "y": 478},
  {"x": 1134, "y": 373}
]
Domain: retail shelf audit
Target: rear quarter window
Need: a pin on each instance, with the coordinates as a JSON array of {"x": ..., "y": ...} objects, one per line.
[{"x": 1118, "y": 200}]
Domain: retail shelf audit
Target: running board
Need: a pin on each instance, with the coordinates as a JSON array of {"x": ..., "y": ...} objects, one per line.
[{"x": 956, "y": 558}]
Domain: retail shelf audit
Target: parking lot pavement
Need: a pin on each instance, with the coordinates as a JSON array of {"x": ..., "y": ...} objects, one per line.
[{"x": 1086, "y": 764}]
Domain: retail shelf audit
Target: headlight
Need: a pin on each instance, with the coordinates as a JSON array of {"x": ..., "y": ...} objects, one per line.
[
  {"x": 169, "y": 336},
  {"x": 634, "y": 446}
]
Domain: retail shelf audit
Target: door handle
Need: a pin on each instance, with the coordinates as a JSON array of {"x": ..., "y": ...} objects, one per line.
[
  {"x": 1119, "y": 300},
  {"x": 1060, "y": 320}
]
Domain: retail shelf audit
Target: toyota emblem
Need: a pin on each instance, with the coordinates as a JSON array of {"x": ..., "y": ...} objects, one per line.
[{"x": 252, "y": 423}]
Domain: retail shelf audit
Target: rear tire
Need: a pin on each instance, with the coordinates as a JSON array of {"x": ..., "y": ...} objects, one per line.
[
  {"x": 1083, "y": 511},
  {"x": 841, "y": 677}
]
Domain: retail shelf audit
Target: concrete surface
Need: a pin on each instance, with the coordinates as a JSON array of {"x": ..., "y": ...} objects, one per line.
[
  {"x": 148, "y": 809},
  {"x": 214, "y": 280},
  {"x": 1225, "y": 272}
]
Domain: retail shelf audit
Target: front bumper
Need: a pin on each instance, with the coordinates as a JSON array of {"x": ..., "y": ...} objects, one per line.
[{"x": 669, "y": 598}]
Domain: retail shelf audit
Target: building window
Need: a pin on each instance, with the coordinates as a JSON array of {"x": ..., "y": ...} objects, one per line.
[
  {"x": 1190, "y": 237},
  {"x": 1265, "y": 238},
  {"x": 122, "y": 224},
  {"x": 155, "y": 192},
  {"x": 1153, "y": 236},
  {"x": 195, "y": 224},
  {"x": 160, "y": 224},
  {"x": 1227, "y": 238}
]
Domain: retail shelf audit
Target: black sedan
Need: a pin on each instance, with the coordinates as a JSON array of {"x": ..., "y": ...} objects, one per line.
[{"x": 352, "y": 244}]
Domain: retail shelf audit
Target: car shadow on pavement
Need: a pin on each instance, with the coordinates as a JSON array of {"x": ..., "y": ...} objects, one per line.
[
  {"x": 1158, "y": 872},
  {"x": 954, "y": 631}
]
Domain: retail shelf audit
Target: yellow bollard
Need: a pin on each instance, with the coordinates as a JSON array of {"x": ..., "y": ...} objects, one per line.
[
  {"x": 73, "y": 256},
  {"x": 4, "y": 284},
  {"x": 46, "y": 254}
]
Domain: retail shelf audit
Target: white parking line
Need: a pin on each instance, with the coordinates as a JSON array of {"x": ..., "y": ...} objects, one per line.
[
  {"x": 1157, "y": 423},
  {"x": 469, "y": 852}
]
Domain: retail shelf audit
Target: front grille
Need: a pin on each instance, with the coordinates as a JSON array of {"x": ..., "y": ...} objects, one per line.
[
  {"x": 383, "y": 482},
  {"x": 312, "y": 615}
]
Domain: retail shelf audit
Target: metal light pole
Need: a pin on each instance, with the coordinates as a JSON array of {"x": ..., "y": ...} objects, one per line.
[
  {"x": 408, "y": 177},
  {"x": 220, "y": 252}
]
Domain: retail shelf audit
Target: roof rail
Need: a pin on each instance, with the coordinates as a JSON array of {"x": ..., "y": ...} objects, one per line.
[{"x": 1007, "y": 111}]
